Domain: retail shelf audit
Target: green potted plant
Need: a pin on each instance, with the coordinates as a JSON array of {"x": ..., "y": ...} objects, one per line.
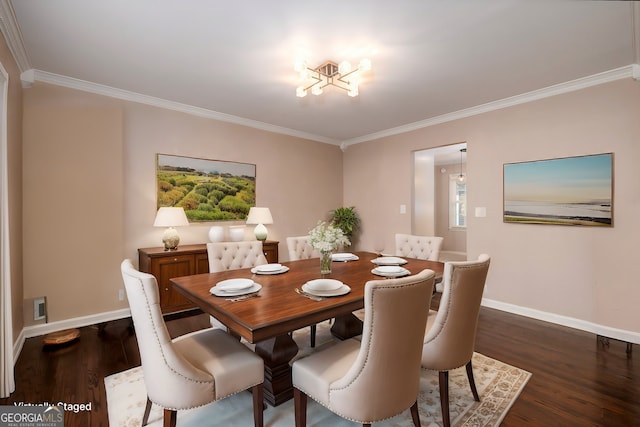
[{"x": 346, "y": 218}]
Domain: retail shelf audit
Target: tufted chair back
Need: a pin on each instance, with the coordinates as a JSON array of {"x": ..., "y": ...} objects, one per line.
[
  {"x": 299, "y": 248},
  {"x": 233, "y": 255},
  {"x": 419, "y": 247},
  {"x": 348, "y": 377}
]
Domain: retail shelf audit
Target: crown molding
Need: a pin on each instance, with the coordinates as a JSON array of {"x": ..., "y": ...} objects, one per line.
[
  {"x": 13, "y": 36},
  {"x": 55, "y": 79},
  {"x": 573, "y": 85}
]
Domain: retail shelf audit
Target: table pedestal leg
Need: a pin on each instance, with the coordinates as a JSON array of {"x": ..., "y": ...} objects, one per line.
[
  {"x": 346, "y": 326},
  {"x": 277, "y": 353}
]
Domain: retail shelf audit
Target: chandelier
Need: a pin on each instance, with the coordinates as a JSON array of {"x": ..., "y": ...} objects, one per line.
[{"x": 338, "y": 75}]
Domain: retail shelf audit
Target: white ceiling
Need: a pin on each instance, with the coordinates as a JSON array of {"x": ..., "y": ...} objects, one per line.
[{"x": 234, "y": 60}]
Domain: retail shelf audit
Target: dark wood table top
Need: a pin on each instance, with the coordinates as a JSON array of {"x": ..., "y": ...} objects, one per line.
[{"x": 279, "y": 309}]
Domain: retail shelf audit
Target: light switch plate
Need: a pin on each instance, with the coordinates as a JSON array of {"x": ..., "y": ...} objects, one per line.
[{"x": 481, "y": 212}]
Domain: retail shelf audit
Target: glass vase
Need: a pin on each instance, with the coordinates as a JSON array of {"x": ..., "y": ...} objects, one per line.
[{"x": 325, "y": 262}]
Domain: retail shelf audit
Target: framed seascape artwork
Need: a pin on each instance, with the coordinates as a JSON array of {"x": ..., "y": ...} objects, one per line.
[
  {"x": 208, "y": 190},
  {"x": 566, "y": 191}
]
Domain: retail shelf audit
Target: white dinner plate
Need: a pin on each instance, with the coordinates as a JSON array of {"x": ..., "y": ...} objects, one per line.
[
  {"x": 380, "y": 271},
  {"x": 343, "y": 257},
  {"x": 390, "y": 269},
  {"x": 257, "y": 270},
  {"x": 232, "y": 285},
  {"x": 323, "y": 285},
  {"x": 225, "y": 293},
  {"x": 342, "y": 290},
  {"x": 269, "y": 267},
  {"x": 389, "y": 260}
]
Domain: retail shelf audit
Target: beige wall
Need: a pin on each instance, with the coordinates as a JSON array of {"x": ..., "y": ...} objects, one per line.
[
  {"x": 14, "y": 172},
  {"x": 574, "y": 272},
  {"x": 90, "y": 190},
  {"x": 73, "y": 201}
]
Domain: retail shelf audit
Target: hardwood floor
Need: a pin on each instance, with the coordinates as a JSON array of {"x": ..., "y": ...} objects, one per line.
[{"x": 576, "y": 380}]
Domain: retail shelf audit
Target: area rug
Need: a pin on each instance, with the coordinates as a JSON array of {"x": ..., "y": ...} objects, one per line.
[{"x": 499, "y": 385}]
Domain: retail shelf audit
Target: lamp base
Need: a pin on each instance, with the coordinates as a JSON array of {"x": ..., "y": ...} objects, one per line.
[
  {"x": 260, "y": 232},
  {"x": 170, "y": 238}
]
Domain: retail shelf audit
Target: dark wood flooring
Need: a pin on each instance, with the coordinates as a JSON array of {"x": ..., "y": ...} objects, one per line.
[{"x": 576, "y": 380}]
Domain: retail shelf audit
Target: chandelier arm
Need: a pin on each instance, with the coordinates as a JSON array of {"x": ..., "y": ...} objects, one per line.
[
  {"x": 340, "y": 86},
  {"x": 343, "y": 76}
]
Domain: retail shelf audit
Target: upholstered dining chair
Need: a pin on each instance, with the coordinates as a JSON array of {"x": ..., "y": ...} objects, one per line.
[
  {"x": 451, "y": 331},
  {"x": 191, "y": 370},
  {"x": 231, "y": 256},
  {"x": 300, "y": 248},
  {"x": 420, "y": 247},
  {"x": 378, "y": 377}
]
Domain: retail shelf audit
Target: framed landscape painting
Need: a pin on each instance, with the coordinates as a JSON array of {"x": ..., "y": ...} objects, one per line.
[
  {"x": 565, "y": 191},
  {"x": 208, "y": 190}
]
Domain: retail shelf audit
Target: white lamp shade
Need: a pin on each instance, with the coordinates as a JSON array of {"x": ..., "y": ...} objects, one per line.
[
  {"x": 170, "y": 217},
  {"x": 259, "y": 216}
]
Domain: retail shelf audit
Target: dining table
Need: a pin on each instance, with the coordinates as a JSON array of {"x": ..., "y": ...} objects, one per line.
[{"x": 268, "y": 318}]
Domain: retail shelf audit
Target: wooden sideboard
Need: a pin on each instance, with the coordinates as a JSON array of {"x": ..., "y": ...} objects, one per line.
[{"x": 185, "y": 261}]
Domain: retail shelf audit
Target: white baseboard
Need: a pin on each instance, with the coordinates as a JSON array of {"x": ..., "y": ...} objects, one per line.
[
  {"x": 77, "y": 322},
  {"x": 570, "y": 322},
  {"x": 17, "y": 346}
]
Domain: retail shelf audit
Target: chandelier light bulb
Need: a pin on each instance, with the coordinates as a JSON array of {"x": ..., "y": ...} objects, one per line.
[
  {"x": 301, "y": 92},
  {"x": 316, "y": 90},
  {"x": 353, "y": 90},
  {"x": 344, "y": 67}
]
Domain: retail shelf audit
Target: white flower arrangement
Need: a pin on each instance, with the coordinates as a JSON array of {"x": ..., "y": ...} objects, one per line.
[{"x": 326, "y": 237}]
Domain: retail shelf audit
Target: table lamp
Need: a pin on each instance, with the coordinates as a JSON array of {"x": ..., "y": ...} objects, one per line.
[
  {"x": 260, "y": 216},
  {"x": 170, "y": 217}
]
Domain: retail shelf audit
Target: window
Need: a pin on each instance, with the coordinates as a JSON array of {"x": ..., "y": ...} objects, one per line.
[{"x": 457, "y": 201}]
